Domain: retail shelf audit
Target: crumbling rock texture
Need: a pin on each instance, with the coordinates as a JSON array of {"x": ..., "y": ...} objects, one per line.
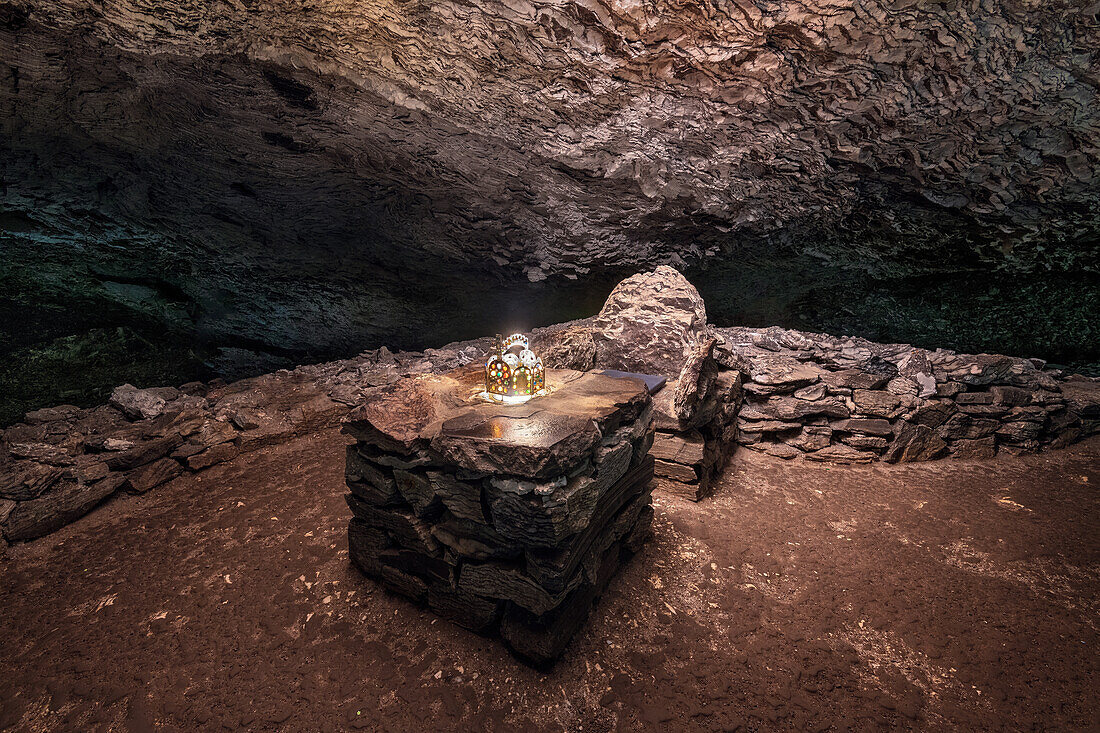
[{"x": 273, "y": 179}]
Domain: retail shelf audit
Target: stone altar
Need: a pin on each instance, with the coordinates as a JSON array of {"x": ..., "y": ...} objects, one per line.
[{"x": 501, "y": 518}]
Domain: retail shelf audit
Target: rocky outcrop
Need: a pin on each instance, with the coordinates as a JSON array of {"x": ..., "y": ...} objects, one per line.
[{"x": 277, "y": 181}]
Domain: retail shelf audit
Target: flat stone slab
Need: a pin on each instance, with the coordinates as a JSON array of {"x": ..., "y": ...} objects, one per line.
[{"x": 446, "y": 417}]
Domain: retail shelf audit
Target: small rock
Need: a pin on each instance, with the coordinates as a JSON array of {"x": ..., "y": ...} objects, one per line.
[
  {"x": 696, "y": 382},
  {"x": 245, "y": 418},
  {"x": 974, "y": 449},
  {"x": 812, "y": 393},
  {"x": 137, "y": 404},
  {"x": 778, "y": 450},
  {"x": 783, "y": 372},
  {"x": 864, "y": 426},
  {"x": 51, "y": 414},
  {"x": 42, "y": 452},
  {"x": 903, "y": 386},
  {"x": 853, "y": 379},
  {"x": 841, "y": 454},
  {"x": 875, "y": 403},
  {"x": 949, "y": 389},
  {"x": 915, "y": 443},
  {"x": 213, "y": 455},
  {"x": 974, "y": 398},
  {"x": 812, "y": 437},
  {"x": 117, "y": 444},
  {"x": 865, "y": 442},
  {"x": 152, "y": 474}
]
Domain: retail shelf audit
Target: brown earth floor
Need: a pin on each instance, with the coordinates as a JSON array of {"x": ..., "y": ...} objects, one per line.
[{"x": 941, "y": 596}]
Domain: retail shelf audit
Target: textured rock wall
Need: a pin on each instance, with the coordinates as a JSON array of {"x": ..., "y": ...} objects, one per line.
[{"x": 309, "y": 178}]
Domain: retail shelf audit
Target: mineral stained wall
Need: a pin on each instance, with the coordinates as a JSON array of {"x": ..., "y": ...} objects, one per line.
[{"x": 295, "y": 178}]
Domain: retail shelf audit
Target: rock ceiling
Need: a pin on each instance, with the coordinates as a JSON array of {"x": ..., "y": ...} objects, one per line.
[{"x": 290, "y": 171}]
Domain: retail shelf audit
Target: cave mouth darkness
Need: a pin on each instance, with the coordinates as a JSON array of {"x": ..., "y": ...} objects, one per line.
[
  {"x": 549, "y": 365},
  {"x": 74, "y": 335}
]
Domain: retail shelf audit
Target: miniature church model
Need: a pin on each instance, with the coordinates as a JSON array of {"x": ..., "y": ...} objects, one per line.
[{"x": 513, "y": 372}]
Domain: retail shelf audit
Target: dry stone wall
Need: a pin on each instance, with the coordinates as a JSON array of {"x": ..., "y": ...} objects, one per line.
[
  {"x": 793, "y": 394},
  {"x": 854, "y": 401},
  {"x": 61, "y": 462}
]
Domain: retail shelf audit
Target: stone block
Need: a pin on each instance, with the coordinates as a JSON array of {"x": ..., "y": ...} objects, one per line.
[
  {"x": 488, "y": 507},
  {"x": 963, "y": 426},
  {"x": 468, "y": 610},
  {"x": 974, "y": 449},
  {"x": 854, "y": 379},
  {"x": 675, "y": 471},
  {"x": 151, "y": 475},
  {"x": 64, "y": 502},
  {"x": 143, "y": 452},
  {"x": 974, "y": 398},
  {"x": 865, "y": 442},
  {"x": 915, "y": 443},
  {"x": 212, "y": 456},
  {"x": 863, "y": 426},
  {"x": 875, "y": 403},
  {"x": 418, "y": 491},
  {"x": 810, "y": 438},
  {"x": 687, "y": 448},
  {"x": 841, "y": 454}
]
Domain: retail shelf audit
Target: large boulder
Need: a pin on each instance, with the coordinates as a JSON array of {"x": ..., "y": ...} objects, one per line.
[{"x": 650, "y": 323}]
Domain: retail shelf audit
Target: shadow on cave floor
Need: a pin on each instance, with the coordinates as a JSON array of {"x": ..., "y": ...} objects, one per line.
[{"x": 949, "y": 595}]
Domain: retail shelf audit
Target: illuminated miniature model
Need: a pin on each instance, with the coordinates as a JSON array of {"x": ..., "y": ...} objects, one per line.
[{"x": 513, "y": 373}]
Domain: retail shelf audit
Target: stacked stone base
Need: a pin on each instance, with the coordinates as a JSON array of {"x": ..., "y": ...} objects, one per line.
[
  {"x": 690, "y": 455},
  {"x": 525, "y": 555}
]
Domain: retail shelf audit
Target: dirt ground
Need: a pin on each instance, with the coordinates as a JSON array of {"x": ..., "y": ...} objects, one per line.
[{"x": 946, "y": 595}]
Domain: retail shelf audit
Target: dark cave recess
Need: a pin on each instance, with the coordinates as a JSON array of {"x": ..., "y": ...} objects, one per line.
[{"x": 73, "y": 344}]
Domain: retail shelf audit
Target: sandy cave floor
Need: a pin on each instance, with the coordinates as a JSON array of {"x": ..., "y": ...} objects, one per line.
[{"x": 941, "y": 595}]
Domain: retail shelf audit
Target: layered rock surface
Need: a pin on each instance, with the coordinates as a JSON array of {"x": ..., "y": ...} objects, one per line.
[
  {"x": 501, "y": 517},
  {"x": 847, "y": 400}
]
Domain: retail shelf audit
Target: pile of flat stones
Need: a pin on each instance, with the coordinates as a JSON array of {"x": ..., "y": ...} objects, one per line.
[
  {"x": 655, "y": 323},
  {"x": 849, "y": 400},
  {"x": 61, "y": 462},
  {"x": 695, "y": 417},
  {"x": 501, "y": 518}
]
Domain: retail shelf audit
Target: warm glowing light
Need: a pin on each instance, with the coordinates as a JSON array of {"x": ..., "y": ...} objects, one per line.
[{"x": 513, "y": 372}]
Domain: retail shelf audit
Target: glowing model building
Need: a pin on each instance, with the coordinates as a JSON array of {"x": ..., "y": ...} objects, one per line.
[{"x": 513, "y": 373}]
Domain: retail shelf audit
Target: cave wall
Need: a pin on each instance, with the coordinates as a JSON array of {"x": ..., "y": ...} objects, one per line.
[{"x": 304, "y": 179}]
